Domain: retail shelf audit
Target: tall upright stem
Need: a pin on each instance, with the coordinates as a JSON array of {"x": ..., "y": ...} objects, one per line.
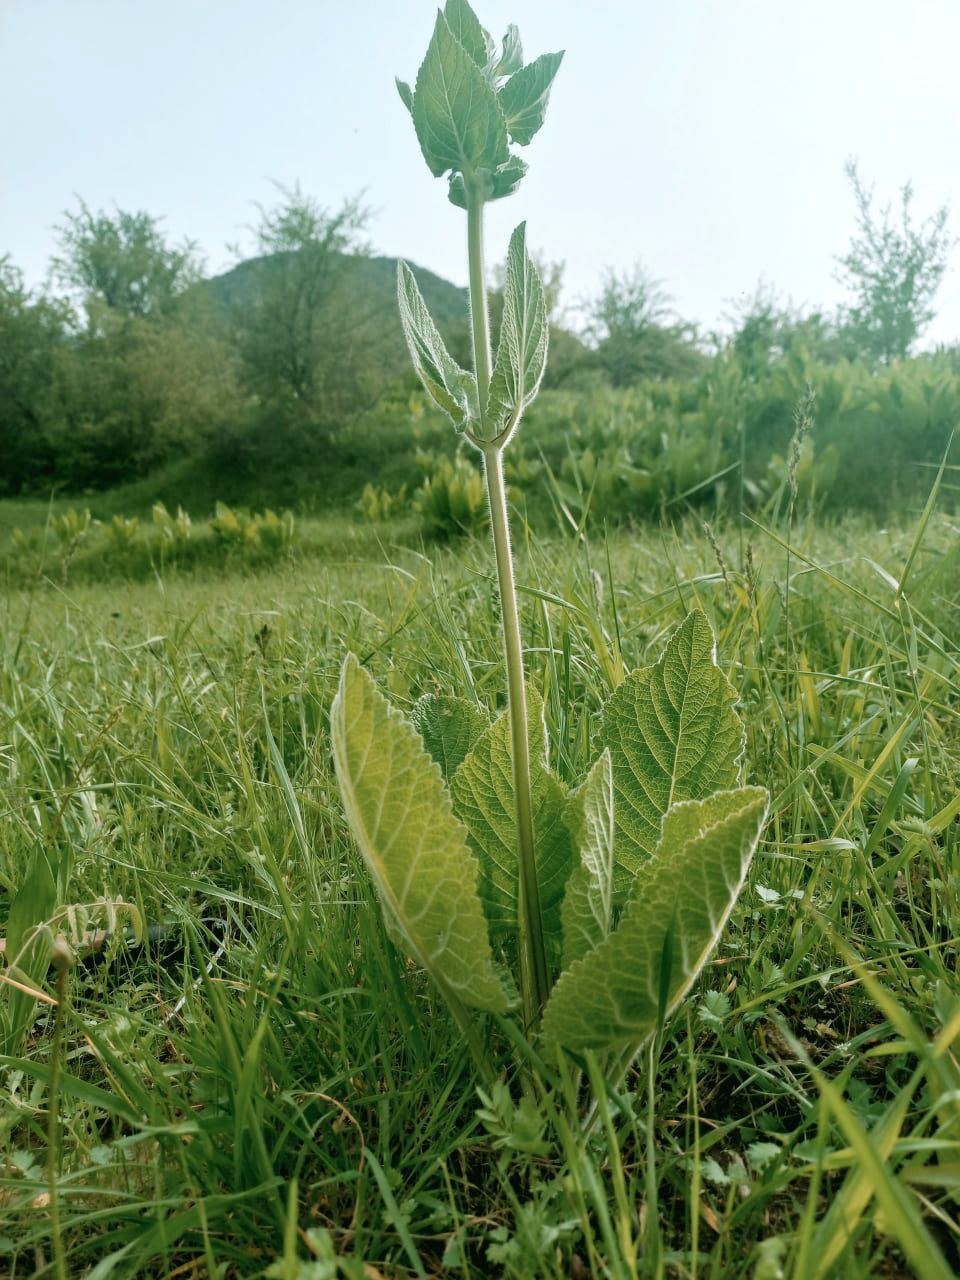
[
  {"x": 535, "y": 982},
  {"x": 479, "y": 314},
  {"x": 533, "y": 948}
]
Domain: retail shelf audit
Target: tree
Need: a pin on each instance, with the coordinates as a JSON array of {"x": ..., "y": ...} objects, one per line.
[
  {"x": 766, "y": 329},
  {"x": 893, "y": 270},
  {"x": 148, "y": 378},
  {"x": 141, "y": 395},
  {"x": 634, "y": 332},
  {"x": 122, "y": 264},
  {"x": 32, "y": 331},
  {"x": 308, "y": 342}
]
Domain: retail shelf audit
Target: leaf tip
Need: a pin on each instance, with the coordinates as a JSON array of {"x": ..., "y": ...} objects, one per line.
[{"x": 405, "y": 92}]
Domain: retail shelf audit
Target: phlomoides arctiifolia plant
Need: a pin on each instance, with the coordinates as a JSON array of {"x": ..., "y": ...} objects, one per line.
[{"x": 605, "y": 900}]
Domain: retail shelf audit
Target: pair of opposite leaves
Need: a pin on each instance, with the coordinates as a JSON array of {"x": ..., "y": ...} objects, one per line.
[{"x": 660, "y": 823}]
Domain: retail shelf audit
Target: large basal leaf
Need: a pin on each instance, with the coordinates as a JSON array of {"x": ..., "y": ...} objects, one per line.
[
  {"x": 458, "y": 119},
  {"x": 587, "y": 910},
  {"x": 525, "y": 95},
  {"x": 673, "y": 735},
  {"x": 524, "y": 331},
  {"x": 449, "y": 727},
  {"x": 400, "y": 814},
  {"x": 451, "y": 388},
  {"x": 622, "y": 991},
  {"x": 483, "y": 799}
]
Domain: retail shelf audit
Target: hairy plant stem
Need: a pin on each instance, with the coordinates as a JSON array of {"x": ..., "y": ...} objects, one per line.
[{"x": 535, "y": 981}]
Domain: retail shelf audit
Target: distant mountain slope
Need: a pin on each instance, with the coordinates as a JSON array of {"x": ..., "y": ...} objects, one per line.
[
  {"x": 373, "y": 291},
  {"x": 376, "y": 278}
]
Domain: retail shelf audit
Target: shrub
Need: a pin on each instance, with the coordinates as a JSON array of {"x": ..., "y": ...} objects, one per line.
[
  {"x": 174, "y": 530},
  {"x": 378, "y": 503},
  {"x": 121, "y": 533},
  {"x": 452, "y": 500},
  {"x": 236, "y": 529}
]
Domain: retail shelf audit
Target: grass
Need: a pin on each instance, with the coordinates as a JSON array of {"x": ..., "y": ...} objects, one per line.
[{"x": 255, "y": 1091}]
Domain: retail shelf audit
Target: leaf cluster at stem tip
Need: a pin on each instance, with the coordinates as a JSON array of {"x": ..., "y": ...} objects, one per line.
[{"x": 472, "y": 98}]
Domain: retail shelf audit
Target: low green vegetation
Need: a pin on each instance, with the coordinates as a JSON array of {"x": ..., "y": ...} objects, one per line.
[
  {"x": 377, "y": 906},
  {"x": 266, "y": 1083}
]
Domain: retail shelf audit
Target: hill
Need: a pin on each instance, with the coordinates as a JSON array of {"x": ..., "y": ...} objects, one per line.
[{"x": 374, "y": 277}]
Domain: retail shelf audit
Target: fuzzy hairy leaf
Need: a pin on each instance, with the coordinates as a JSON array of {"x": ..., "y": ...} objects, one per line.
[
  {"x": 416, "y": 851},
  {"x": 587, "y": 910},
  {"x": 449, "y": 727},
  {"x": 502, "y": 183},
  {"x": 673, "y": 735},
  {"x": 405, "y": 92},
  {"x": 451, "y": 388},
  {"x": 623, "y": 990},
  {"x": 524, "y": 333},
  {"x": 525, "y": 95},
  {"x": 483, "y": 799},
  {"x": 456, "y": 114},
  {"x": 466, "y": 29},
  {"x": 511, "y": 55}
]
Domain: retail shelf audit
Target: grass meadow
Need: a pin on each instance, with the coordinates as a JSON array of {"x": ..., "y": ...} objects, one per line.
[{"x": 258, "y": 1086}]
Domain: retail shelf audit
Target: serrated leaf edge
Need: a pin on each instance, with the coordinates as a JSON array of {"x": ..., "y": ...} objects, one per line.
[{"x": 569, "y": 975}]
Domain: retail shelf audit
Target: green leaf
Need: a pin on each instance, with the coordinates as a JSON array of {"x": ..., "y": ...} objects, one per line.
[
  {"x": 587, "y": 910},
  {"x": 673, "y": 735},
  {"x": 524, "y": 97},
  {"x": 110, "y": 1101},
  {"x": 451, "y": 388},
  {"x": 34, "y": 904},
  {"x": 524, "y": 333},
  {"x": 483, "y": 799},
  {"x": 400, "y": 815},
  {"x": 511, "y": 57},
  {"x": 503, "y": 183},
  {"x": 618, "y": 994},
  {"x": 466, "y": 29},
  {"x": 455, "y": 109},
  {"x": 449, "y": 727},
  {"x": 405, "y": 92}
]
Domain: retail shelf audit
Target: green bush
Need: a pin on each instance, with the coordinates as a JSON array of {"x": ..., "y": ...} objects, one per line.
[
  {"x": 275, "y": 533},
  {"x": 236, "y": 529},
  {"x": 174, "y": 530},
  {"x": 378, "y": 503},
  {"x": 453, "y": 499},
  {"x": 120, "y": 533}
]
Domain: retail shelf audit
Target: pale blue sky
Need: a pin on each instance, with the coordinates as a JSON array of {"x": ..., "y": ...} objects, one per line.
[{"x": 705, "y": 137}]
